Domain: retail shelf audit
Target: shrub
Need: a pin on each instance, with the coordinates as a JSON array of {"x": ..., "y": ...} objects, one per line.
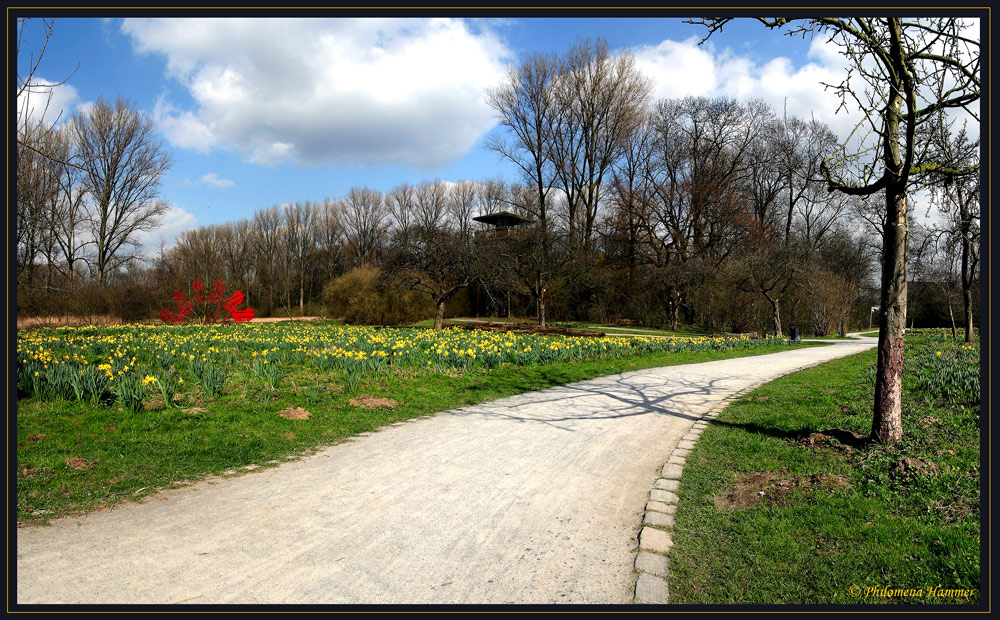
[{"x": 362, "y": 297}]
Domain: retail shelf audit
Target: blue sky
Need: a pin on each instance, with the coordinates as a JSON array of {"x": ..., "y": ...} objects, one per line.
[{"x": 261, "y": 112}]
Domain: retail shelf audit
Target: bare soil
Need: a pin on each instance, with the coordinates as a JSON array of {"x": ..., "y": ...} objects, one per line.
[
  {"x": 772, "y": 487},
  {"x": 366, "y": 401}
]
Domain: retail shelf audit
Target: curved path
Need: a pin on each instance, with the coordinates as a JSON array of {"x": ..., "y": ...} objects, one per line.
[{"x": 535, "y": 498}]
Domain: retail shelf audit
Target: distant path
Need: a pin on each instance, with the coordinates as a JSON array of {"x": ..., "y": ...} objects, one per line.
[{"x": 535, "y": 498}]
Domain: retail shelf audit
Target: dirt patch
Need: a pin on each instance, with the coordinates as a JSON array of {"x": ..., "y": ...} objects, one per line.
[
  {"x": 774, "y": 488},
  {"x": 194, "y": 410},
  {"x": 930, "y": 420},
  {"x": 27, "y": 472},
  {"x": 366, "y": 401},
  {"x": 760, "y": 399},
  {"x": 840, "y": 439},
  {"x": 290, "y": 436},
  {"x": 297, "y": 413},
  {"x": 908, "y": 467},
  {"x": 35, "y": 438},
  {"x": 79, "y": 464}
]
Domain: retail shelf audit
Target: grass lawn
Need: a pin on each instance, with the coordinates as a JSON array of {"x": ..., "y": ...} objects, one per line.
[
  {"x": 767, "y": 516},
  {"x": 76, "y": 456},
  {"x": 873, "y": 334}
]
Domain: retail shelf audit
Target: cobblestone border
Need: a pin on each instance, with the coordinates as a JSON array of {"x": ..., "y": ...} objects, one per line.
[{"x": 652, "y": 560}]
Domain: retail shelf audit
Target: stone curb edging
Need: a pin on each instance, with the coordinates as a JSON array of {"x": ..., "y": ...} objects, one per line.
[{"x": 652, "y": 560}]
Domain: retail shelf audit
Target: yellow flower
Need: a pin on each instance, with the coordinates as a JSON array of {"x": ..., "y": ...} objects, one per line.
[{"x": 939, "y": 353}]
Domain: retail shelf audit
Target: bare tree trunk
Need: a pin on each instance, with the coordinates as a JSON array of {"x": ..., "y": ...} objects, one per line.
[
  {"x": 541, "y": 308},
  {"x": 951, "y": 315},
  {"x": 776, "y": 315},
  {"x": 887, "y": 422},
  {"x": 967, "y": 298},
  {"x": 439, "y": 317},
  {"x": 967, "y": 278}
]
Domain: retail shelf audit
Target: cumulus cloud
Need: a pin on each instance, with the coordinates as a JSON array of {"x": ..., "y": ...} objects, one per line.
[
  {"x": 681, "y": 68},
  {"x": 175, "y": 221},
  {"x": 326, "y": 91},
  {"x": 214, "y": 180},
  {"x": 47, "y": 102}
]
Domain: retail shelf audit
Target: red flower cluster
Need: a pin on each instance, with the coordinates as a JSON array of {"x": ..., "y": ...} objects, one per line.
[{"x": 217, "y": 309}]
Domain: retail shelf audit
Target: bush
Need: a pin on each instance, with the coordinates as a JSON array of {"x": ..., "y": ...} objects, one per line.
[{"x": 362, "y": 297}]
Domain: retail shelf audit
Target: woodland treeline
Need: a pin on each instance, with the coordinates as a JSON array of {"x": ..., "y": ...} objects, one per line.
[{"x": 708, "y": 212}]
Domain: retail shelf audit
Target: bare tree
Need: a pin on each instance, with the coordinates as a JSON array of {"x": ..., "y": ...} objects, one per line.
[
  {"x": 123, "y": 163},
  {"x": 299, "y": 224},
  {"x": 431, "y": 204},
  {"x": 266, "y": 234},
  {"x": 401, "y": 202},
  {"x": 493, "y": 196},
  {"x": 600, "y": 100},
  {"x": 525, "y": 106},
  {"x": 958, "y": 202},
  {"x": 462, "y": 206},
  {"x": 365, "y": 223},
  {"x": 910, "y": 72}
]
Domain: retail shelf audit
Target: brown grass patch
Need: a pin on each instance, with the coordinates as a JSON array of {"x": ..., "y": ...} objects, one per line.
[
  {"x": 297, "y": 413},
  {"x": 80, "y": 464},
  {"x": 366, "y": 401},
  {"x": 772, "y": 487}
]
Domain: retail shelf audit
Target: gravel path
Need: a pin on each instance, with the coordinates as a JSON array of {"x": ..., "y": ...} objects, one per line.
[{"x": 535, "y": 498}]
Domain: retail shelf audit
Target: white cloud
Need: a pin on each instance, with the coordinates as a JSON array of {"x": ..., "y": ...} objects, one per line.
[
  {"x": 327, "y": 91},
  {"x": 47, "y": 102},
  {"x": 681, "y": 68},
  {"x": 213, "y": 180},
  {"x": 175, "y": 221}
]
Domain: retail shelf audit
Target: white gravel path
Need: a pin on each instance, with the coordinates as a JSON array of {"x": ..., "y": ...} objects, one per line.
[{"x": 536, "y": 498}]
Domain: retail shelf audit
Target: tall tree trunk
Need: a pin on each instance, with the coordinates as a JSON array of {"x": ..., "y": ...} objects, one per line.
[
  {"x": 967, "y": 299},
  {"x": 967, "y": 276},
  {"x": 776, "y": 315},
  {"x": 541, "y": 306},
  {"x": 887, "y": 422},
  {"x": 951, "y": 315},
  {"x": 439, "y": 317}
]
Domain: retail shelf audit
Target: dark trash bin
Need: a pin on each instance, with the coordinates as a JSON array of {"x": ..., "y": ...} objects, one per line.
[{"x": 794, "y": 334}]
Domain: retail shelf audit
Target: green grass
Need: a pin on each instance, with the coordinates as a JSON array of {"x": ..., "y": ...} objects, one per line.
[
  {"x": 885, "y": 529},
  {"x": 873, "y": 334},
  {"x": 123, "y": 456}
]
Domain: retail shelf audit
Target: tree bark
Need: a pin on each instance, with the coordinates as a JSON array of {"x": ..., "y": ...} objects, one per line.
[
  {"x": 887, "y": 422},
  {"x": 967, "y": 298},
  {"x": 776, "y": 315},
  {"x": 439, "y": 317}
]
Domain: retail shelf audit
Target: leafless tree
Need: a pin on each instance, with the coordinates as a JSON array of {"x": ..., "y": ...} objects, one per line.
[
  {"x": 526, "y": 107},
  {"x": 431, "y": 205},
  {"x": 958, "y": 202},
  {"x": 493, "y": 196},
  {"x": 266, "y": 234},
  {"x": 462, "y": 207},
  {"x": 299, "y": 236},
  {"x": 123, "y": 165},
  {"x": 401, "y": 202},
  {"x": 365, "y": 225},
  {"x": 600, "y": 99},
  {"x": 902, "y": 75}
]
